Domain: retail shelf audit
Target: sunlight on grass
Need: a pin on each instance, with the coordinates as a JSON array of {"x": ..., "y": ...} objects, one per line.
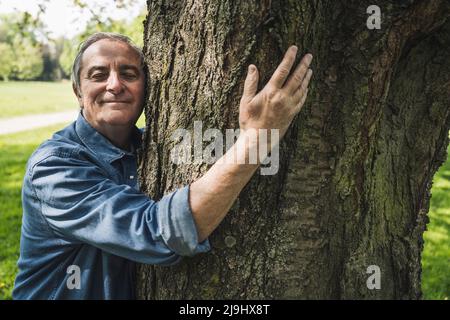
[
  {"x": 436, "y": 254},
  {"x": 33, "y": 97}
]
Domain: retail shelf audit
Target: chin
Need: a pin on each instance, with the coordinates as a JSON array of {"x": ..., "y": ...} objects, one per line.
[{"x": 119, "y": 118}]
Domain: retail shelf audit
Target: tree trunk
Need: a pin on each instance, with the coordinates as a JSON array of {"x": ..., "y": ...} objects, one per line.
[{"x": 356, "y": 166}]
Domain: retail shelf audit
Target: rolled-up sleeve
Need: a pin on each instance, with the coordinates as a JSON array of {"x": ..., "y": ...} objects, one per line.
[
  {"x": 79, "y": 202},
  {"x": 179, "y": 231}
]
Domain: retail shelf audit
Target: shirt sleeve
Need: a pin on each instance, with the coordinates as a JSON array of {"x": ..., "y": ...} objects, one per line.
[{"x": 79, "y": 202}]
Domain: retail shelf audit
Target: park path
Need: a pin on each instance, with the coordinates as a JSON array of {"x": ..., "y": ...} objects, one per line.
[{"x": 23, "y": 123}]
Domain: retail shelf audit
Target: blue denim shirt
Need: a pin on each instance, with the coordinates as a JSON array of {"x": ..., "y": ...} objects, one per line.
[{"x": 83, "y": 215}]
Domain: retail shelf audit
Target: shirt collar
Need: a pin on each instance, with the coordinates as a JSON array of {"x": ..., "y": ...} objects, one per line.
[{"x": 100, "y": 145}]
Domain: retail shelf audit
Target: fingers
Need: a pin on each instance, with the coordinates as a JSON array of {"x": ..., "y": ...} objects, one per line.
[
  {"x": 251, "y": 83},
  {"x": 279, "y": 76},
  {"x": 296, "y": 78},
  {"x": 299, "y": 106},
  {"x": 300, "y": 92}
]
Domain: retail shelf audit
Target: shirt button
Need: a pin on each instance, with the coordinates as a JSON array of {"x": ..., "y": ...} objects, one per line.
[{"x": 131, "y": 177}]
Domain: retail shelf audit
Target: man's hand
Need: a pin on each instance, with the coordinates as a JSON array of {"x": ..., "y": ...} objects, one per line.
[
  {"x": 280, "y": 100},
  {"x": 273, "y": 107}
]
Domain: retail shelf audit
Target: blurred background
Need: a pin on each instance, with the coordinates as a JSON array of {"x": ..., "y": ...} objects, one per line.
[{"x": 38, "y": 43}]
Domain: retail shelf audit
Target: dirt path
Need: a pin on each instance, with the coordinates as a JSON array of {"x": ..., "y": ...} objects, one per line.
[{"x": 23, "y": 123}]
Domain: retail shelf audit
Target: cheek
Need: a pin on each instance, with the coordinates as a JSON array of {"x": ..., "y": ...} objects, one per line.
[
  {"x": 138, "y": 93},
  {"x": 90, "y": 96}
]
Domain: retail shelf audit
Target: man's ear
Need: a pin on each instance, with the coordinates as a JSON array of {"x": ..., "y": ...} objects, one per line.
[{"x": 77, "y": 94}]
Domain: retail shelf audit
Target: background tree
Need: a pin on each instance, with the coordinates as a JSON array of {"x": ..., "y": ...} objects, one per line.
[
  {"x": 37, "y": 55},
  {"x": 133, "y": 29},
  {"x": 68, "y": 53},
  {"x": 20, "y": 34},
  {"x": 28, "y": 63},
  {"x": 355, "y": 168},
  {"x": 6, "y": 61}
]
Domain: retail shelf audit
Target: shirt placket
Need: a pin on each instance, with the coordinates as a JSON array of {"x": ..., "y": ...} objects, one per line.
[{"x": 130, "y": 171}]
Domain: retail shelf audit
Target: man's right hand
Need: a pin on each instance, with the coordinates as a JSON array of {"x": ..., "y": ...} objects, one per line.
[{"x": 280, "y": 100}]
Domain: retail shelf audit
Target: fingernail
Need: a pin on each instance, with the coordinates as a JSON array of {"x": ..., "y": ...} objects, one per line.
[
  {"x": 294, "y": 48},
  {"x": 251, "y": 68},
  {"x": 309, "y": 57}
]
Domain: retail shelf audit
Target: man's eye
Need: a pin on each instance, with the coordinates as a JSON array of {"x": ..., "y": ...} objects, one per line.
[
  {"x": 129, "y": 76},
  {"x": 99, "y": 76}
]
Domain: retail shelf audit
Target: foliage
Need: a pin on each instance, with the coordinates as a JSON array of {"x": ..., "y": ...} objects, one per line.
[
  {"x": 23, "y": 59},
  {"x": 68, "y": 53},
  {"x": 28, "y": 63},
  {"x": 133, "y": 29},
  {"x": 27, "y": 51},
  {"x": 6, "y": 60}
]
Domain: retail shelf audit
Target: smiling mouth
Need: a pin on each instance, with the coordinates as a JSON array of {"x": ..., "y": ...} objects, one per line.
[{"x": 117, "y": 104}]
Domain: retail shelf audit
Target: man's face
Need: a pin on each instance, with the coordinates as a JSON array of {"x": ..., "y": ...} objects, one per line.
[{"x": 111, "y": 84}]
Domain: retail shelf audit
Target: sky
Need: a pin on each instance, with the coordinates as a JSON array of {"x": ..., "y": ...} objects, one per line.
[{"x": 62, "y": 18}]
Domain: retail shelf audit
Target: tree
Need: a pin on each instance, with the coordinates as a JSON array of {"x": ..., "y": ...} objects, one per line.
[
  {"x": 6, "y": 61},
  {"x": 133, "y": 29},
  {"x": 68, "y": 54},
  {"x": 19, "y": 33},
  {"x": 349, "y": 204},
  {"x": 28, "y": 63}
]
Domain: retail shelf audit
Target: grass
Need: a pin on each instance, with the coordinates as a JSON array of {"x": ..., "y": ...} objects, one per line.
[
  {"x": 32, "y": 97},
  {"x": 436, "y": 254}
]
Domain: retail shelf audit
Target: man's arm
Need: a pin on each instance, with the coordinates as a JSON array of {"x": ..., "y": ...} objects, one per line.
[{"x": 274, "y": 107}]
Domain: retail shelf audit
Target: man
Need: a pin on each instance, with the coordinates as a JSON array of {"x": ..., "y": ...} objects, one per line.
[{"x": 85, "y": 222}]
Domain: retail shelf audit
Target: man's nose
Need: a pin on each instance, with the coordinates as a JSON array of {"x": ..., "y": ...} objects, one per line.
[{"x": 114, "y": 84}]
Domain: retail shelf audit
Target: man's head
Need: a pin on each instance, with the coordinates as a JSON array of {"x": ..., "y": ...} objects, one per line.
[{"x": 108, "y": 80}]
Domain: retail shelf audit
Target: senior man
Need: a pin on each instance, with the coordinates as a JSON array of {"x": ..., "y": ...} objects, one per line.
[{"x": 83, "y": 213}]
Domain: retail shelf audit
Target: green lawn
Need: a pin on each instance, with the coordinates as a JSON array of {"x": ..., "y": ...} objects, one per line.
[
  {"x": 436, "y": 254},
  {"x": 32, "y": 97}
]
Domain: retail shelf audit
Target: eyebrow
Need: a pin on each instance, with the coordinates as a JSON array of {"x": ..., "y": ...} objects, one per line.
[{"x": 123, "y": 67}]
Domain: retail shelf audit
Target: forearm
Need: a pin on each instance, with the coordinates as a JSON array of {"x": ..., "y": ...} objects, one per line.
[{"x": 212, "y": 196}]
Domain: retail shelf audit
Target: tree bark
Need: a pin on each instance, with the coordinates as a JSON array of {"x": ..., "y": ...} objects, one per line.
[{"x": 356, "y": 166}]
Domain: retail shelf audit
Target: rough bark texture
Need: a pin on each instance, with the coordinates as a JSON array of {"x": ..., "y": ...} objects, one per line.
[{"x": 356, "y": 166}]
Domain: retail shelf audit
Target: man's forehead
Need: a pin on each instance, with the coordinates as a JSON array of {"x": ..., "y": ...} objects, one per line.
[{"x": 105, "y": 51}]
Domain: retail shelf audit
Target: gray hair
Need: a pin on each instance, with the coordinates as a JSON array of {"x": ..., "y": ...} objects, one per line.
[{"x": 76, "y": 68}]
